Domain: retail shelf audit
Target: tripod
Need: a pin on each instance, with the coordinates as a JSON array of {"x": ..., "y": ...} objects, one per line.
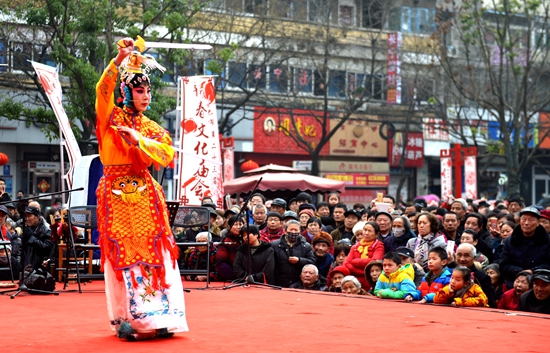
[
  {"x": 248, "y": 279},
  {"x": 22, "y": 286}
]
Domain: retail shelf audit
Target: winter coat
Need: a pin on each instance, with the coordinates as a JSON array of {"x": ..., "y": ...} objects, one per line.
[
  {"x": 227, "y": 250},
  {"x": 323, "y": 263},
  {"x": 36, "y": 244},
  {"x": 268, "y": 237},
  {"x": 340, "y": 233},
  {"x": 437, "y": 241},
  {"x": 285, "y": 272},
  {"x": 262, "y": 263},
  {"x": 474, "y": 296},
  {"x": 428, "y": 289},
  {"x": 395, "y": 285},
  {"x": 521, "y": 253},
  {"x": 356, "y": 265},
  {"x": 528, "y": 302},
  {"x": 321, "y": 285},
  {"x": 198, "y": 260},
  {"x": 392, "y": 242},
  {"x": 509, "y": 300}
]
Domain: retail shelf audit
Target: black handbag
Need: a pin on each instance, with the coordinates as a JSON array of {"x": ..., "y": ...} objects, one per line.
[{"x": 39, "y": 279}]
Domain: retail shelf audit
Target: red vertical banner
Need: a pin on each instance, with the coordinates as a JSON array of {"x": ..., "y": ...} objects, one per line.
[
  {"x": 200, "y": 166},
  {"x": 393, "y": 77}
]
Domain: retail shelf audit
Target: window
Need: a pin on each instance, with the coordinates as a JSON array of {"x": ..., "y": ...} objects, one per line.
[
  {"x": 416, "y": 89},
  {"x": 337, "y": 84},
  {"x": 303, "y": 81},
  {"x": 236, "y": 75},
  {"x": 255, "y": 6},
  {"x": 278, "y": 79},
  {"x": 369, "y": 85},
  {"x": 319, "y": 80},
  {"x": 371, "y": 14},
  {"x": 283, "y": 8},
  {"x": 347, "y": 15},
  {"x": 3, "y": 55},
  {"x": 256, "y": 77},
  {"x": 208, "y": 66},
  {"x": 21, "y": 54},
  {"x": 42, "y": 55},
  {"x": 413, "y": 20},
  {"x": 318, "y": 11}
]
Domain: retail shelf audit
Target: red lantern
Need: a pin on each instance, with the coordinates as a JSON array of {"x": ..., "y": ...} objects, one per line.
[
  {"x": 249, "y": 165},
  {"x": 3, "y": 159}
]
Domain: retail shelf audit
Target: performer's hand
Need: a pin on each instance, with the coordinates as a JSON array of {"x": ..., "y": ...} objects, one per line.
[
  {"x": 125, "y": 47},
  {"x": 130, "y": 134}
]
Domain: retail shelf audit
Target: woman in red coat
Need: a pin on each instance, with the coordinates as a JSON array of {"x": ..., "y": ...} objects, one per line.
[{"x": 363, "y": 252}]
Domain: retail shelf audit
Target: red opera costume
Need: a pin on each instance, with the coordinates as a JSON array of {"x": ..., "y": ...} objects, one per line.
[{"x": 138, "y": 251}]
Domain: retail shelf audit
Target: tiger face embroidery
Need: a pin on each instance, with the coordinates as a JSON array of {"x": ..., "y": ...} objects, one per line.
[{"x": 129, "y": 188}]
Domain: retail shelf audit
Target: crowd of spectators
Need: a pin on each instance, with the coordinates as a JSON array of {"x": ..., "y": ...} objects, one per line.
[{"x": 459, "y": 252}]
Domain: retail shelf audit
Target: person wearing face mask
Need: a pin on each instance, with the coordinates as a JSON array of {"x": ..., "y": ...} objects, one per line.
[
  {"x": 401, "y": 233},
  {"x": 292, "y": 253}
]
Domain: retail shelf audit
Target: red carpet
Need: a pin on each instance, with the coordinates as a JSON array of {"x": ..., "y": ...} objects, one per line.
[{"x": 267, "y": 320}]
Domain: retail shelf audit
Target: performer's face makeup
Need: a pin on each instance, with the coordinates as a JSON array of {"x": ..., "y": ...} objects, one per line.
[{"x": 142, "y": 97}]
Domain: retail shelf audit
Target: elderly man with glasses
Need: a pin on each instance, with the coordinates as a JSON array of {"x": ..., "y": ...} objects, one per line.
[{"x": 527, "y": 249}]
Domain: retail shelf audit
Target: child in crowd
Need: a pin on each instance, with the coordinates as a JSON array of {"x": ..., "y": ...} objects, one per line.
[
  {"x": 407, "y": 257},
  {"x": 372, "y": 273},
  {"x": 351, "y": 285},
  {"x": 462, "y": 291},
  {"x": 336, "y": 276},
  {"x": 510, "y": 299},
  {"x": 396, "y": 280},
  {"x": 493, "y": 271},
  {"x": 437, "y": 277},
  {"x": 341, "y": 251}
]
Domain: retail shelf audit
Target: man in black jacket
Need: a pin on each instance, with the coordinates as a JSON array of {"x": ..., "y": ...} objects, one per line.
[
  {"x": 36, "y": 243},
  {"x": 292, "y": 253},
  {"x": 527, "y": 249},
  {"x": 310, "y": 279},
  {"x": 537, "y": 300},
  {"x": 254, "y": 261}
]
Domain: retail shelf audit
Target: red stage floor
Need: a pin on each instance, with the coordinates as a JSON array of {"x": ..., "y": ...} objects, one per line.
[{"x": 268, "y": 320}]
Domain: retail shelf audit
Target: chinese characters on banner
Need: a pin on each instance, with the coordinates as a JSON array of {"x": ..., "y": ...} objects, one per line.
[
  {"x": 470, "y": 177},
  {"x": 228, "y": 152},
  {"x": 414, "y": 152},
  {"x": 358, "y": 137},
  {"x": 446, "y": 177},
  {"x": 393, "y": 78},
  {"x": 200, "y": 167},
  {"x": 274, "y": 128},
  {"x": 50, "y": 81},
  {"x": 360, "y": 180},
  {"x": 435, "y": 130}
]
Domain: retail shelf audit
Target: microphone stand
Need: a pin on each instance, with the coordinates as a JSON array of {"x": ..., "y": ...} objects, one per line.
[
  {"x": 22, "y": 287},
  {"x": 248, "y": 279}
]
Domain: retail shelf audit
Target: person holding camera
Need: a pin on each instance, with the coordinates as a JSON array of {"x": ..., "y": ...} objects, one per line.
[{"x": 36, "y": 244}]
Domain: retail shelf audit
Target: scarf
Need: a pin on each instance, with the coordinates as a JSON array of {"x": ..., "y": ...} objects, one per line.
[
  {"x": 422, "y": 249},
  {"x": 363, "y": 248},
  {"x": 460, "y": 293}
]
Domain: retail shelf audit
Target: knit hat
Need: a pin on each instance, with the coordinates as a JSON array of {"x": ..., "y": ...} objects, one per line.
[
  {"x": 322, "y": 237},
  {"x": 358, "y": 226},
  {"x": 352, "y": 279},
  {"x": 307, "y": 211},
  {"x": 305, "y": 206},
  {"x": 462, "y": 202},
  {"x": 545, "y": 214},
  {"x": 367, "y": 271},
  {"x": 342, "y": 269}
]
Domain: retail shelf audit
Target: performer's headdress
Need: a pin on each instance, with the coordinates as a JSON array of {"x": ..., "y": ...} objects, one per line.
[{"x": 135, "y": 69}]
